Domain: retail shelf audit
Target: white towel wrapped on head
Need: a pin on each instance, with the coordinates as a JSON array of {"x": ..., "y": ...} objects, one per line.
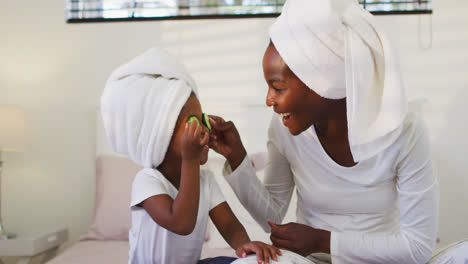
[
  {"x": 338, "y": 51},
  {"x": 141, "y": 103}
]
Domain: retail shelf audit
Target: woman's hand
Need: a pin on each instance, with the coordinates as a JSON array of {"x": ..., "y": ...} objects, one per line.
[
  {"x": 193, "y": 141},
  {"x": 263, "y": 251},
  {"x": 301, "y": 239},
  {"x": 226, "y": 141}
]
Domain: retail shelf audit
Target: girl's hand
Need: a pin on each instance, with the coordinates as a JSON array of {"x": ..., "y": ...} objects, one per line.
[
  {"x": 194, "y": 139},
  {"x": 301, "y": 239},
  {"x": 225, "y": 140},
  {"x": 263, "y": 251}
]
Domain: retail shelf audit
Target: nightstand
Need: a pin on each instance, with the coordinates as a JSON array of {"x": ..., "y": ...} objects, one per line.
[{"x": 31, "y": 244}]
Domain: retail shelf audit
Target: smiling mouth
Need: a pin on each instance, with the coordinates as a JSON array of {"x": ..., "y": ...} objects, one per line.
[{"x": 285, "y": 116}]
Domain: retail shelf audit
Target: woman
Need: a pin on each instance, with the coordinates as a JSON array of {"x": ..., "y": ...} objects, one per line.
[{"x": 344, "y": 137}]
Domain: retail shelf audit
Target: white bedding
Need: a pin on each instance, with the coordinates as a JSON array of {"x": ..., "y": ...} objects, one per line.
[
  {"x": 115, "y": 252},
  {"x": 91, "y": 251}
]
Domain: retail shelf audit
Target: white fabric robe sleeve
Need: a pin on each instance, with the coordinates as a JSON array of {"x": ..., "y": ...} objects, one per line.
[
  {"x": 418, "y": 204},
  {"x": 268, "y": 200}
]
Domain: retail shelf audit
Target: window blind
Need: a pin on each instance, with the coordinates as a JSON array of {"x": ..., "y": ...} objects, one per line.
[{"x": 124, "y": 10}]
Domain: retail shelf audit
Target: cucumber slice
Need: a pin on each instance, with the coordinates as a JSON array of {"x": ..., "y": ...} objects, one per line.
[
  {"x": 193, "y": 118},
  {"x": 206, "y": 121}
]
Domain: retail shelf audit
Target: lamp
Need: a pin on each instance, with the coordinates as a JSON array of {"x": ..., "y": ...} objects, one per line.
[{"x": 12, "y": 138}]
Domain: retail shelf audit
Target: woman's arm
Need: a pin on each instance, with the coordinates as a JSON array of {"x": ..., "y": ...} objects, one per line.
[
  {"x": 418, "y": 204},
  {"x": 300, "y": 238},
  {"x": 264, "y": 201},
  {"x": 267, "y": 201}
]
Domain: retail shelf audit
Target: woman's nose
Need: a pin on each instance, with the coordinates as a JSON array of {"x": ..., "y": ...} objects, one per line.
[{"x": 269, "y": 100}]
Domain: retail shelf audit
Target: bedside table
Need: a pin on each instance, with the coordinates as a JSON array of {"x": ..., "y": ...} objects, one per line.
[{"x": 28, "y": 245}]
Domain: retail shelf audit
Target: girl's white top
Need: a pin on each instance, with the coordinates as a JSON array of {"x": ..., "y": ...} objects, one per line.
[
  {"x": 152, "y": 244},
  {"x": 382, "y": 210}
]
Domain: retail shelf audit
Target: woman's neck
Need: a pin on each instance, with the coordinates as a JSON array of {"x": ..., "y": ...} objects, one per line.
[
  {"x": 335, "y": 123},
  {"x": 333, "y": 135}
]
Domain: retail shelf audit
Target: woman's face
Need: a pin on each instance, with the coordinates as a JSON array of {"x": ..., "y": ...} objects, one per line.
[{"x": 299, "y": 106}]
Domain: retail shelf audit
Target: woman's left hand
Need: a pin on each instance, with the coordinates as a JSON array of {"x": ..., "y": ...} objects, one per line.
[{"x": 301, "y": 239}]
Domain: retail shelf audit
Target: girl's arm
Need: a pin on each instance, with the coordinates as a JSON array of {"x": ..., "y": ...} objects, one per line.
[
  {"x": 236, "y": 236},
  {"x": 180, "y": 215},
  {"x": 228, "y": 225}
]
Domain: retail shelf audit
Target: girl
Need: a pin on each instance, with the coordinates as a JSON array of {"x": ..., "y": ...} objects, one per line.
[{"x": 151, "y": 114}]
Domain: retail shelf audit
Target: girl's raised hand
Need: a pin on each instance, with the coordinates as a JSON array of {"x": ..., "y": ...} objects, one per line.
[{"x": 195, "y": 137}]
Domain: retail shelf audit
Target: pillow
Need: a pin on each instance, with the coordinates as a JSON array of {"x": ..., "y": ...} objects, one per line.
[{"x": 114, "y": 177}]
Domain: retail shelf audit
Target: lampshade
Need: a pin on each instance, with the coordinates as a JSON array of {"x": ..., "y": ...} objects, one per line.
[{"x": 13, "y": 130}]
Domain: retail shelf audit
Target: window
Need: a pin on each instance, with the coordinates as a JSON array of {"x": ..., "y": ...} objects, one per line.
[
  {"x": 78, "y": 11},
  {"x": 383, "y": 7}
]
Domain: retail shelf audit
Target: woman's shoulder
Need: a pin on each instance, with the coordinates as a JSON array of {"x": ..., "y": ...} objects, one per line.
[
  {"x": 414, "y": 133},
  {"x": 413, "y": 125}
]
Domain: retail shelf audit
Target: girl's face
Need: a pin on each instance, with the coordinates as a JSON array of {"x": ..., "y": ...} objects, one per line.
[
  {"x": 299, "y": 106},
  {"x": 191, "y": 108}
]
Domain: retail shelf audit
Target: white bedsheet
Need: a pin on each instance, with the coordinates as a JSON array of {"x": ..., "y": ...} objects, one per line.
[
  {"x": 91, "y": 251},
  {"x": 115, "y": 252}
]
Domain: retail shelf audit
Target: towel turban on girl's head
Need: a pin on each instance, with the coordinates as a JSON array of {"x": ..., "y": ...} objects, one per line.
[
  {"x": 338, "y": 51},
  {"x": 141, "y": 103}
]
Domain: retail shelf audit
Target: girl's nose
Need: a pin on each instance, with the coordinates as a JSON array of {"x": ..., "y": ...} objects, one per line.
[{"x": 204, "y": 130}]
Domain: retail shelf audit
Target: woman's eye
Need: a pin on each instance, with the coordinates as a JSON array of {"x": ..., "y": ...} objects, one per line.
[{"x": 277, "y": 89}]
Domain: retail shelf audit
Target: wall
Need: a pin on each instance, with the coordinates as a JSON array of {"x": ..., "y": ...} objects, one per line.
[{"x": 57, "y": 71}]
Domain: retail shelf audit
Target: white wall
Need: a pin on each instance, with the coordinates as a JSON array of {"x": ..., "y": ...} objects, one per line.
[{"x": 57, "y": 71}]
